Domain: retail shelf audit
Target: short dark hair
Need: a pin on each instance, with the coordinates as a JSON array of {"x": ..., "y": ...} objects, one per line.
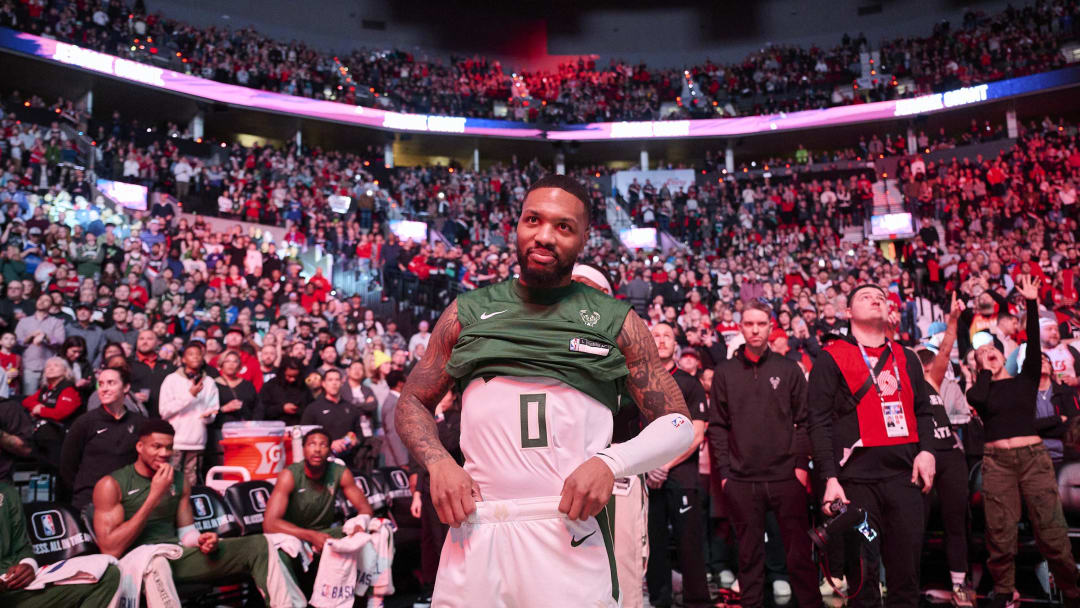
[
  {"x": 851, "y": 296},
  {"x": 315, "y": 431},
  {"x": 194, "y": 344},
  {"x": 566, "y": 184},
  {"x": 332, "y": 370},
  {"x": 926, "y": 356},
  {"x": 156, "y": 425},
  {"x": 291, "y": 363},
  {"x": 395, "y": 377},
  {"x": 123, "y": 370}
]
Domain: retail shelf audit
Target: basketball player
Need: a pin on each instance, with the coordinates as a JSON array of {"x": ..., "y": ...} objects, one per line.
[
  {"x": 146, "y": 503},
  {"x": 541, "y": 361}
]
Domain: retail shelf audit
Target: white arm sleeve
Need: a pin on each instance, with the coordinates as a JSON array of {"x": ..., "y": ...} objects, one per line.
[{"x": 657, "y": 444}]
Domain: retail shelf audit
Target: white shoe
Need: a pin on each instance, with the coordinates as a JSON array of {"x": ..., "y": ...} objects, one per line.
[
  {"x": 781, "y": 591},
  {"x": 727, "y": 579}
]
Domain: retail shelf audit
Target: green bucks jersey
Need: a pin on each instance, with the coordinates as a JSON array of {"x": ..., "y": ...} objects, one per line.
[
  {"x": 541, "y": 373},
  {"x": 161, "y": 525},
  {"x": 311, "y": 504}
]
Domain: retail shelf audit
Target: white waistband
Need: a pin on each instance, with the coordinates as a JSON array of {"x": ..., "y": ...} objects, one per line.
[{"x": 519, "y": 509}]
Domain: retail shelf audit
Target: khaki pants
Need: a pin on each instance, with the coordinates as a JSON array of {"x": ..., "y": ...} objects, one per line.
[
  {"x": 188, "y": 462},
  {"x": 1027, "y": 473},
  {"x": 631, "y": 540}
]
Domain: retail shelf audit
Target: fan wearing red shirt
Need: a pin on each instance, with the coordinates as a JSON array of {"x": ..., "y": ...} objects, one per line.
[
  {"x": 10, "y": 361},
  {"x": 55, "y": 402},
  {"x": 322, "y": 286},
  {"x": 249, "y": 364}
]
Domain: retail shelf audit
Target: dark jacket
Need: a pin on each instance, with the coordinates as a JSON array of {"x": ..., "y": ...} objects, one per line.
[
  {"x": 758, "y": 428},
  {"x": 1065, "y": 401},
  {"x": 275, "y": 394},
  {"x": 833, "y": 421},
  {"x": 144, "y": 377}
]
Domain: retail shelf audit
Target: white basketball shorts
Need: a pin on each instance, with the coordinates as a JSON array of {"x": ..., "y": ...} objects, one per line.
[{"x": 524, "y": 553}]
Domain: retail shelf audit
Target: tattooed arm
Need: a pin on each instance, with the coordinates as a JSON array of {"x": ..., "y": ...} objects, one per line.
[
  {"x": 453, "y": 492},
  {"x": 651, "y": 386}
]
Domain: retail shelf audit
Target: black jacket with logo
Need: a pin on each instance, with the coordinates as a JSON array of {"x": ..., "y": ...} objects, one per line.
[{"x": 758, "y": 429}]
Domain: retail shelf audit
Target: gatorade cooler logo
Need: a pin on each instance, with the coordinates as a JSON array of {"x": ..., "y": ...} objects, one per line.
[
  {"x": 259, "y": 497},
  {"x": 271, "y": 457},
  {"x": 201, "y": 504},
  {"x": 48, "y": 525}
]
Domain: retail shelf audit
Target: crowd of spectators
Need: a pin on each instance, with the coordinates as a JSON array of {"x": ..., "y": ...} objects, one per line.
[
  {"x": 86, "y": 289},
  {"x": 982, "y": 48}
]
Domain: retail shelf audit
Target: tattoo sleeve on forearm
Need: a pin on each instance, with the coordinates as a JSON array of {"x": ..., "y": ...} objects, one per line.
[
  {"x": 651, "y": 386},
  {"x": 423, "y": 389}
]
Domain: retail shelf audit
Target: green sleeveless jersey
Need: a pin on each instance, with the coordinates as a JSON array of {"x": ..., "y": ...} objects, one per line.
[
  {"x": 311, "y": 504},
  {"x": 568, "y": 334},
  {"x": 161, "y": 525}
]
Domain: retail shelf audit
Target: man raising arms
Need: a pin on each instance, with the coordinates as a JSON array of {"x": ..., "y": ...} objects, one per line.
[{"x": 541, "y": 361}]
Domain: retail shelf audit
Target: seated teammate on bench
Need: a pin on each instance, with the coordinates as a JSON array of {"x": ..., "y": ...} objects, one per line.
[
  {"x": 302, "y": 504},
  {"x": 146, "y": 502},
  {"x": 19, "y": 568}
]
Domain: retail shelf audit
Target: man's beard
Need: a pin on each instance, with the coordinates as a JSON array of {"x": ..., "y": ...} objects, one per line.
[{"x": 546, "y": 277}]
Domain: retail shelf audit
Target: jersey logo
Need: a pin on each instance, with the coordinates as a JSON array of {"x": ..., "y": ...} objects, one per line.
[
  {"x": 775, "y": 381},
  {"x": 591, "y": 347},
  {"x": 487, "y": 315},
  {"x": 575, "y": 542},
  {"x": 590, "y": 318}
]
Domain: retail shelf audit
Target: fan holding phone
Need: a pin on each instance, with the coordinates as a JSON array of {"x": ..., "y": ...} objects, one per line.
[{"x": 189, "y": 401}]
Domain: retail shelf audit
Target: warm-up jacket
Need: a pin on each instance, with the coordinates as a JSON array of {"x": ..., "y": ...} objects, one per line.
[{"x": 758, "y": 426}]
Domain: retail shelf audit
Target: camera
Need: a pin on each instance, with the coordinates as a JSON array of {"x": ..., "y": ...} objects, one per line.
[{"x": 845, "y": 518}]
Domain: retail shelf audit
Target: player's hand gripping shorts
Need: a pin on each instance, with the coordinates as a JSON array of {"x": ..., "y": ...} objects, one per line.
[{"x": 524, "y": 553}]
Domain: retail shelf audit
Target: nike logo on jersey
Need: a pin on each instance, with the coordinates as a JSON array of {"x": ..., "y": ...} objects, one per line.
[
  {"x": 575, "y": 542},
  {"x": 685, "y": 509},
  {"x": 135, "y": 491},
  {"x": 326, "y": 411},
  {"x": 100, "y": 431},
  {"x": 487, "y": 315}
]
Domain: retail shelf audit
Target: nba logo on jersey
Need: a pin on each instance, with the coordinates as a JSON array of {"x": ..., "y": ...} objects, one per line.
[{"x": 676, "y": 423}]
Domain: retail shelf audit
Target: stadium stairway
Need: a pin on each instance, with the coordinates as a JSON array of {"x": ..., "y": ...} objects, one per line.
[{"x": 887, "y": 197}]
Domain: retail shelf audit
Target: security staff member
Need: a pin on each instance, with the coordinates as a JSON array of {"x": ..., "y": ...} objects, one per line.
[
  {"x": 757, "y": 439},
  {"x": 871, "y": 430},
  {"x": 340, "y": 419},
  {"x": 674, "y": 496},
  {"x": 101, "y": 440}
]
